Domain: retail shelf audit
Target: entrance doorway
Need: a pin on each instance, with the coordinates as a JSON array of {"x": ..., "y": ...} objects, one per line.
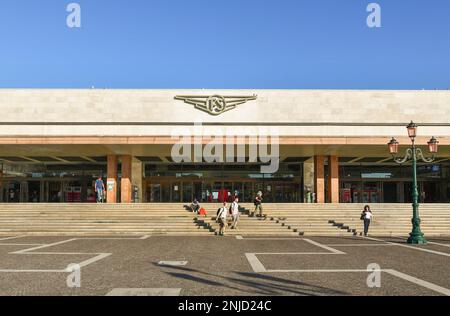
[
  {"x": 390, "y": 192},
  {"x": 215, "y": 191},
  {"x": 34, "y": 191}
]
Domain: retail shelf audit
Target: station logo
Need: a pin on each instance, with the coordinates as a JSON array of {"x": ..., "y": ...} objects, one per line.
[{"x": 215, "y": 104}]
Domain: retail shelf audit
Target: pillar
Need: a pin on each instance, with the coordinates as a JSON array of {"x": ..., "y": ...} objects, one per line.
[
  {"x": 125, "y": 182},
  {"x": 308, "y": 180},
  {"x": 136, "y": 177},
  {"x": 333, "y": 179},
  {"x": 319, "y": 178},
  {"x": 111, "y": 182}
]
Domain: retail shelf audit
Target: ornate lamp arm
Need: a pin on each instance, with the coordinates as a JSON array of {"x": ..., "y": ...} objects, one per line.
[
  {"x": 421, "y": 156},
  {"x": 408, "y": 156}
]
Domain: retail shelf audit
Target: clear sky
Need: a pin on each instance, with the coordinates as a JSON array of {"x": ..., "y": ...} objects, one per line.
[{"x": 295, "y": 44}]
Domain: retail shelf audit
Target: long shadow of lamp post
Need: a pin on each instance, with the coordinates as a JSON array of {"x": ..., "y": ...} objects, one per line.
[{"x": 414, "y": 154}]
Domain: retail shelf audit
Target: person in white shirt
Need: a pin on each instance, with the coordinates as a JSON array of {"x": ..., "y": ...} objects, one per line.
[
  {"x": 222, "y": 218},
  {"x": 235, "y": 213},
  {"x": 366, "y": 216}
]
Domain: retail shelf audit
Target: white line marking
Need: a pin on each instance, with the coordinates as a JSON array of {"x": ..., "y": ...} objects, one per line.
[
  {"x": 9, "y": 238},
  {"x": 268, "y": 238},
  {"x": 410, "y": 247},
  {"x": 439, "y": 244},
  {"x": 360, "y": 245},
  {"x": 42, "y": 246},
  {"x": 420, "y": 282},
  {"x": 145, "y": 292},
  {"x": 94, "y": 259},
  {"x": 335, "y": 251},
  {"x": 20, "y": 244},
  {"x": 297, "y": 253},
  {"x": 31, "y": 251},
  {"x": 256, "y": 265},
  {"x": 172, "y": 263},
  {"x": 59, "y": 253},
  {"x": 320, "y": 271},
  {"x": 32, "y": 271},
  {"x": 114, "y": 238}
]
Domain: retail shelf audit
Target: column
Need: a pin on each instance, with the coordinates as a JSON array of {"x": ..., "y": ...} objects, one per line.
[
  {"x": 308, "y": 180},
  {"x": 111, "y": 182},
  {"x": 125, "y": 182},
  {"x": 319, "y": 178},
  {"x": 136, "y": 177},
  {"x": 333, "y": 179}
]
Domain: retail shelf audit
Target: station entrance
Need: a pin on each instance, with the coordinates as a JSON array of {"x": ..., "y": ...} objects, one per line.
[
  {"x": 79, "y": 190},
  {"x": 219, "y": 183}
]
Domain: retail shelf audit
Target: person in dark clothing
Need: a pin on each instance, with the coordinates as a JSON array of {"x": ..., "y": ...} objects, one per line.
[
  {"x": 366, "y": 216},
  {"x": 258, "y": 205},
  {"x": 195, "y": 206}
]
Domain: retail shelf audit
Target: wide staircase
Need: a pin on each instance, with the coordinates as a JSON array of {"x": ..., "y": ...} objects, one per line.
[
  {"x": 388, "y": 220},
  {"x": 98, "y": 219},
  {"x": 175, "y": 219},
  {"x": 308, "y": 219},
  {"x": 395, "y": 220},
  {"x": 247, "y": 226}
]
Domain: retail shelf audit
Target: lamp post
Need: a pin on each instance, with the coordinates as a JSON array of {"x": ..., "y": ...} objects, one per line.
[{"x": 414, "y": 154}]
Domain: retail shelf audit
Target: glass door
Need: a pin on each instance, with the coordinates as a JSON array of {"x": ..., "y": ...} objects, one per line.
[
  {"x": 217, "y": 195},
  {"x": 238, "y": 190},
  {"x": 227, "y": 191},
  {"x": 34, "y": 191},
  {"x": 154, "y": 192},
  {"x": 176, "y": 192},
  {"x": 268, "y": 192},
  {"x": 248, "y": 192},
  {"x": 198, "y": 194},
  {"x": 207, "y": 195},
  {"x": 390, "y": 192},
  {"x": 13, "y": 192},
  {"x": 188, "y": 190},
  {"x": 165, "y": 192}
]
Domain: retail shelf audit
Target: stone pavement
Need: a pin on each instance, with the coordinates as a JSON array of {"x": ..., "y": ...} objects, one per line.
[{"x": 233, "y": 265}]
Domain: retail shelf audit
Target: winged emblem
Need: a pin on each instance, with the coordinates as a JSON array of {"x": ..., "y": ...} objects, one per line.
[{"x": 215, "y": 104}]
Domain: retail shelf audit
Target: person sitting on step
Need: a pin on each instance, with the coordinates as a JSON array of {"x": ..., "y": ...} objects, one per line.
[{"x": 195, "y": 206}]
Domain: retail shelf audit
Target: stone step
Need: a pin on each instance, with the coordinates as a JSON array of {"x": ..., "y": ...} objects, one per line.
[{"x": 107, "y": 233}]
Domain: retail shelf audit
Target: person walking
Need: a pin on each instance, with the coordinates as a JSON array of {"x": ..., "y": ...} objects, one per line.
[
  {"x": 222, "y": 218},
  {"x": 366, "y": 216},
  {"x": 99, "y": 189},
  {"x": 235, "y": 213},
  {"x": 258, "y": 205}
]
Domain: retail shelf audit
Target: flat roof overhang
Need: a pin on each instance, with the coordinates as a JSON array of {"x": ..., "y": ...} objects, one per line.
[{"x": 158, "y": 147}]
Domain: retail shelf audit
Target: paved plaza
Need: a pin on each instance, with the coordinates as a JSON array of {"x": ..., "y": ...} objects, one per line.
[{"x": 243, "y": 266}]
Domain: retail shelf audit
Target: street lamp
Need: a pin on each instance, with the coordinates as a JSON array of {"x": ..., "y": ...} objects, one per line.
[{"x": 413, "y": 154}]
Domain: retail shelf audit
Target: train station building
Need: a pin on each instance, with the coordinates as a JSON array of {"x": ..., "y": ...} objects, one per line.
[{"x": 329, "y": 146}]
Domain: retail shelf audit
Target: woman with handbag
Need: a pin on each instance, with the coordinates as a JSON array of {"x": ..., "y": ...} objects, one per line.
[{"x": 366, "y": 216}]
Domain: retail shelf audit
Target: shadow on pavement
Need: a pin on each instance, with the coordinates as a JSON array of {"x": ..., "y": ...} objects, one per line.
[{"x": 251, "y": 283}]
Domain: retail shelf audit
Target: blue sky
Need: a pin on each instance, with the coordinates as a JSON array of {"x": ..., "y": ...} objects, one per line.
[{"x": 292, "y": 44}]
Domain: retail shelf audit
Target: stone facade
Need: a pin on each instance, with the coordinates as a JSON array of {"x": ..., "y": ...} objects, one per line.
[{"x": 295, "y": 112}]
